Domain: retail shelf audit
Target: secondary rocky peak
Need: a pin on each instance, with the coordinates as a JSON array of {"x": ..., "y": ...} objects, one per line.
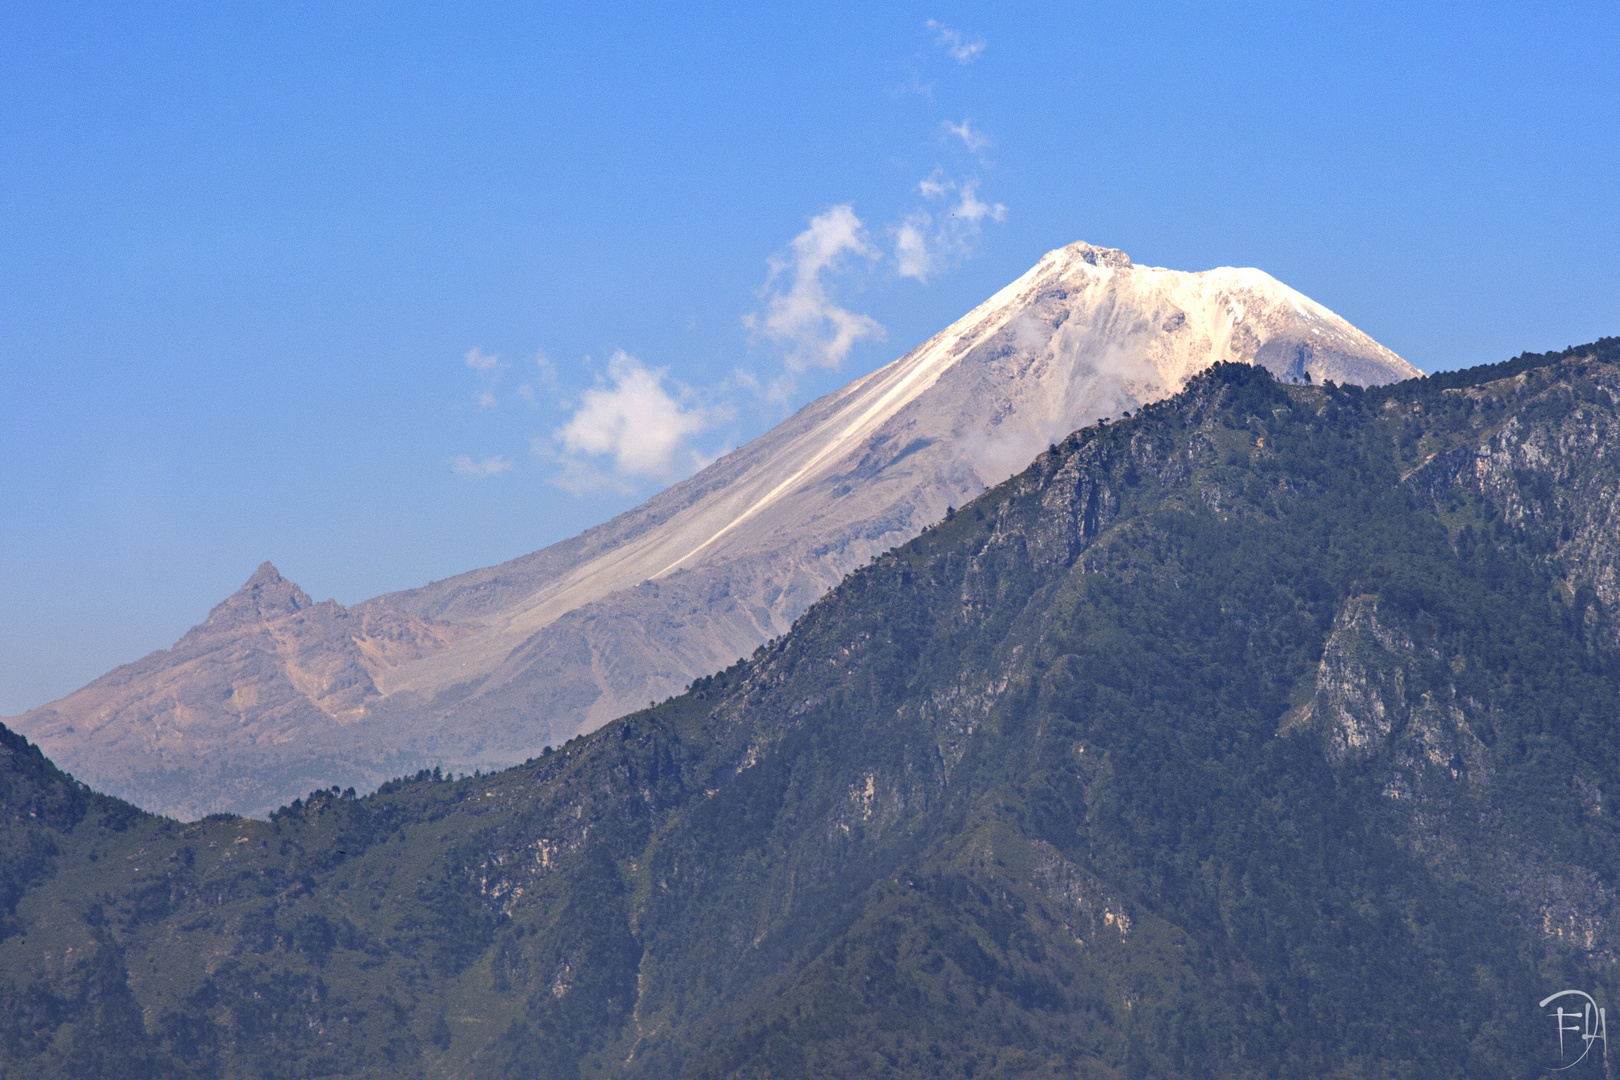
[
  {"x": 266, "y": 574},
  {"x": 264, "y": 596}
]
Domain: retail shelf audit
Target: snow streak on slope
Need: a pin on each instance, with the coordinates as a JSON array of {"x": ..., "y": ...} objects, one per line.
[
  {"x": 1097, "y": 336},
  {"x": 493, "y": 664},
  {"x": 907, "y": 379}
]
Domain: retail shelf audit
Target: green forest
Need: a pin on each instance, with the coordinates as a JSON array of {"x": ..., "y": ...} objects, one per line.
[{"x": 1272, "y": 731}]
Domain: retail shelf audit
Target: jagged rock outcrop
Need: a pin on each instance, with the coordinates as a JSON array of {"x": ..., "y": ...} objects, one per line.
[
  {"x": 1546, "y": 473},
  {"x": 255, "y": 697}
]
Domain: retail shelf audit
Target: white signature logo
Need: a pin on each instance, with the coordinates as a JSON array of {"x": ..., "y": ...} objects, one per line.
[{"x": 1586, "y": 1020}]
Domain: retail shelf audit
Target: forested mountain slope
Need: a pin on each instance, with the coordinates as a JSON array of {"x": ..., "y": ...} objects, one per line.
[{"x": 1273, "y": 731}]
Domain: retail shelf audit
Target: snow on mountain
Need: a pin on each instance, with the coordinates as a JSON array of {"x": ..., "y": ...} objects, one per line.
[{"x": 506, "y": 659}]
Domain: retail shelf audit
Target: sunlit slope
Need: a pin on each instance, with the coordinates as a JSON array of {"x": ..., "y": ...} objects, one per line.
[
  {"x": 1084, "y": 334},
  {"x": 485, "y": 668}
]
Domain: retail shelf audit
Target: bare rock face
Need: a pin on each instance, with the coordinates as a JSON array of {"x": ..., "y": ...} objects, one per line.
[
  {"x": 277, "y": 695},
  {"x": 244, "y": 697},
  {"x": 1548, "y": 474}
]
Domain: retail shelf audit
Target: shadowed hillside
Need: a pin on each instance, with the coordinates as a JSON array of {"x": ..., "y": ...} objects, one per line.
[{"x": 1272, "y": 731}]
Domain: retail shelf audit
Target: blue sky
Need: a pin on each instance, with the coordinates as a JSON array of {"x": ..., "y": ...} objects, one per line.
[{"x": 381, "y": 292}]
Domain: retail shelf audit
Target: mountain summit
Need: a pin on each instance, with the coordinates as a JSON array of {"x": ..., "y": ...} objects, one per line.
[
  {"x": 265, "y": 595},
  {"x": 494, "y": 664}
]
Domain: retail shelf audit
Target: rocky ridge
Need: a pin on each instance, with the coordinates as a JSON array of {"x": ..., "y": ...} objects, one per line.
[{"x": 248, "y": 686}]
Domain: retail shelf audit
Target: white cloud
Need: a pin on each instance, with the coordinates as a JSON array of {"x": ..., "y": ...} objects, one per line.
[
  {"x": 489, "y": 370},
  {"x": 972, "y": 211},
  {"x": 973, "y": 140},
  {"x": 925, "y": 244},
  {"x": 962, "y": 49},
  {"x": 462, "y": 465},
  {"x": 633, "y": 420},
  {"x": 802, "y": 317},
  {"x": 913, "y": 255}
]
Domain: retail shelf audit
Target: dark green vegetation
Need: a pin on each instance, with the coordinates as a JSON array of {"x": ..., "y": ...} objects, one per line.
[{"x": 1274, "y": 731}]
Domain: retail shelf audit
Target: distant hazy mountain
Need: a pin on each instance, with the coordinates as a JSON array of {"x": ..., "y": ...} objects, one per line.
[
  {"x": 481, "y": 670},
  {"x": 1271, "y": 732}
]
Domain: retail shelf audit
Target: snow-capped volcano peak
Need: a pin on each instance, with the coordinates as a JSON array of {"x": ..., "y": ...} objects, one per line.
[
  {"x": 1084, "y": 334},
  {"x": 489, "y": 666}
]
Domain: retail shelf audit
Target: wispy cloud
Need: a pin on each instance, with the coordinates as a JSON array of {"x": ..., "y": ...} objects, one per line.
[
  {"x": 800, "y": 313},
  {"x": 970, "y": 210},
  {"x": 913, "y": 254},
  {"x": 929, "y": 241},
  {"x": 545, "y": 375},
  {"x": 973, "y": 140},
  {"x": 462, "y": 465},
  {"x": 489, "y": 370},
  {"x": 583, "y": 478},
  {"x": 962, "y": 49},
  {"x": 630, "y": 425}
]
